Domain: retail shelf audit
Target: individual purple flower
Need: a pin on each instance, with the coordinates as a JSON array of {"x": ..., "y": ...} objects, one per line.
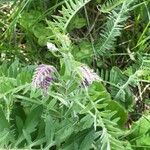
[
  {"x": 43, "y": 77},
  {"x": 88, "y": 75}
]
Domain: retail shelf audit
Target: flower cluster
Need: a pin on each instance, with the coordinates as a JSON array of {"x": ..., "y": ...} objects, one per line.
[
  {"x": 88, "y": 75},
  {"x": 43, "y": 77}
]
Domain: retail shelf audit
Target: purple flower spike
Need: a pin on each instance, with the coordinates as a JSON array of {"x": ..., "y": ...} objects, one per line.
[
  {"x": 43, "y": 77},
  {"x": 87, "y": 75}
]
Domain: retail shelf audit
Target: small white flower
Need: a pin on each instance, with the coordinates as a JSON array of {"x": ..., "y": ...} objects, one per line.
[{"x": 51, "y": 47}]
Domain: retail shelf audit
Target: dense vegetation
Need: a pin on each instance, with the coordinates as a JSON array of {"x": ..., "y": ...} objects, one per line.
[{"x": 75, "y": 74}]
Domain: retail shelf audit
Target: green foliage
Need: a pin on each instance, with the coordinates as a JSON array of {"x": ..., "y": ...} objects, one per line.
[
  {"x": 140, "y": 133},
  {"x": 68, "y": 12},
  {"x": 23, "y": 112},
  {"x": 110, "y": 5},
  {"x": 121, "y": 112},
  {"x": 113, "y": 28},
  {"x": 106, "y": 108},
  {"x": 83, "y": 51},
  {"x": 123, "y": 92}
]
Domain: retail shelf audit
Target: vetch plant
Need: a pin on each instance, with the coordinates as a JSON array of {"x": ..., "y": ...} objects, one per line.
[{"x": 76, "y": 108}]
